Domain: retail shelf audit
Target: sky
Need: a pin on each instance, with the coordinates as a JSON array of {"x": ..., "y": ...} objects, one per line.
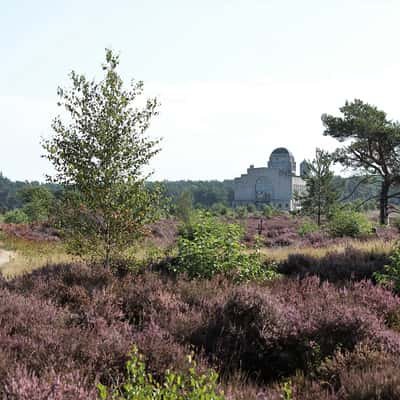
[{"x": 235, "y": 78}]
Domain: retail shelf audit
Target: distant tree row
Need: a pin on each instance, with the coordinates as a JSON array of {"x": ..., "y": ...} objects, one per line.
[
  {"x": 13, "y": 194},
  {"x": 204, "y": 194}
]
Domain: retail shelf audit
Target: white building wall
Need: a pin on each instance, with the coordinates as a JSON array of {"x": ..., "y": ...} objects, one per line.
[{"x": 274, "y": 185}]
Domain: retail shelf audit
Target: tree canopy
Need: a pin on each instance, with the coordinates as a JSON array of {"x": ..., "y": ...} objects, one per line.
[
  {"x": 320, "y": 195},
  {"x": 371, "y": 145},
  {"x": 99, "y": 154}
]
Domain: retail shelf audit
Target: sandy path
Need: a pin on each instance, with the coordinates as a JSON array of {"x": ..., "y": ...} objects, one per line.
[{"x": 5, "y": 257}]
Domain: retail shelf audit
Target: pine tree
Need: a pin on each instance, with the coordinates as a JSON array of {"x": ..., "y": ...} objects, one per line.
[{"x": 320, "y": 196}]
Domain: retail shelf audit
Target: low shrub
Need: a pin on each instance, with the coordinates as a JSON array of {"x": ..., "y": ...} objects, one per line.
[
  {"x": 351, "y": 264},
  {"x": 347, "y": 222},
  {"x": 270, "y": 333},
  {"x": 220, "y": 209},
  {"x": 390, "y": 276},
  {"x": 186, "y": 384},
  {"x": 66, "y": 328},
  {"x": 307, "y": 227},
  {"x": 269, "y": 211},
  {"x": 209, "y": 247},
  {"x": 16, "y": 216},
  {"x": 251, "y": 208},
  {"x": 241, "y": 212}
]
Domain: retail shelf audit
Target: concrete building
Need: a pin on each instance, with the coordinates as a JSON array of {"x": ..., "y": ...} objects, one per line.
[{"x": 275, "y": 184}]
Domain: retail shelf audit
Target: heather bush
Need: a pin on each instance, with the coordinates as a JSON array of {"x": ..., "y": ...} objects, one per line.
[
  {"x": 22, "y": 385},
  {"x": 66, "y": 328},
  {"x": 186, "y": 384},
  {"x": 366, "y": 373},
  {"x": 274, "y": 332},
  {"x": 277, "y": 230},
  {"x": 347, "y": 222},
  {"x": 352, "y": 264}
]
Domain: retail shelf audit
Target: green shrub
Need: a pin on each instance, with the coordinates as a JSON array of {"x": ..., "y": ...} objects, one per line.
[
  {"x": 241, "y": 212},
  {"x": 16, "y": 216},
  {"x": 219, "y": 209},
  {"x": 185, "y": 385},
  {"x": 270, "y": 211},
  {"x": 267, "y": 211},
  {"x": 395, "y": 222},
  {"x": 37, "y": 202},
  {"x": 391, "y": 273},
  {"x": 348, "y": 222},
  {"x": 307, "y": 227},
  {"x": 209, "y": 247},
  {"x": 251, "y": 208}
]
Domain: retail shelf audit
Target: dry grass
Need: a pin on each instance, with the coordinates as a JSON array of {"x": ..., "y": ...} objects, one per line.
[
  {"x": 28, "y": 255},
  {"x": 282, "y": 253}
]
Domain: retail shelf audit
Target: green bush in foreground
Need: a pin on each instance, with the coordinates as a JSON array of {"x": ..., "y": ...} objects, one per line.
[
  {"x": 208, "y": 247},
  {"x": 185, "y": 385},
  {"x": 348, "y": 222}
]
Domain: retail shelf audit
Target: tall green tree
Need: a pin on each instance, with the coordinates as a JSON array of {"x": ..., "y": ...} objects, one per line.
[
  {"x": 99, "y": 153},
  {"x": 320, "y": 195},
  {"x": 372, "y": 145}
]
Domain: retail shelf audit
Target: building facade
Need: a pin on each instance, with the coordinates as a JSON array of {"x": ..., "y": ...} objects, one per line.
[{"x": 275, "y": 184}]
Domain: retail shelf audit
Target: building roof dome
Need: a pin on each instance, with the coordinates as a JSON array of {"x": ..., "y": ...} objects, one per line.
[{"x": 282, "y": 158}]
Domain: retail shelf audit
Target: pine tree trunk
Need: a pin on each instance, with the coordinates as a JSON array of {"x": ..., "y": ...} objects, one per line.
[{"x": 383, "y": 204}]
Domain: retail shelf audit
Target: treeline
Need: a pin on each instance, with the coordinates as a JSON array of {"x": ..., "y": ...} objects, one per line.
[
  {"x": 204, "y": 193},
  {"x": 11, "y": 192},
  {"x": 208, "y": 193}
]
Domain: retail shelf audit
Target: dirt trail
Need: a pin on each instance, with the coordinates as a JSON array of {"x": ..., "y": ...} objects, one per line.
[{"x": 5, "y": 257}]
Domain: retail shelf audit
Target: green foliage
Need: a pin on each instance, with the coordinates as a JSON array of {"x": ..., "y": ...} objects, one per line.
[
  {"x": 241, "y": 212},
  {"x": 373, "y": 145},
  {"x": 37, "y": 202},
  {"x": 16, "y": 216},
  {"x": 347, "y": 222},
  {"x": 184, "y": 206},
  {"x": 251, "y": 208},
  {"x": 307, "y": 227},
  {"x": 391, "y": 274},
  {"x": 187, "y": 384},
  {"x": 9, "y": 198},
  {"x": 287, "y": 391},
  {"x": 269, "y": 211},
  {"x": 220, "y": 209},
  {"x": 395, "y": 222},
  {"x": 99, "y": 156},
  {"x": 320, "y": 195},
  {"x": 209, "y": 247}
]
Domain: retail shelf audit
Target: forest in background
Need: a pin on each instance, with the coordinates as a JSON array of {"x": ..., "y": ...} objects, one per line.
[{"x": 205, "y": 194}]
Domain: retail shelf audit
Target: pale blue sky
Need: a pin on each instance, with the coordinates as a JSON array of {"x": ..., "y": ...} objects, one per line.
[{"x": 236, "y": 78}]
